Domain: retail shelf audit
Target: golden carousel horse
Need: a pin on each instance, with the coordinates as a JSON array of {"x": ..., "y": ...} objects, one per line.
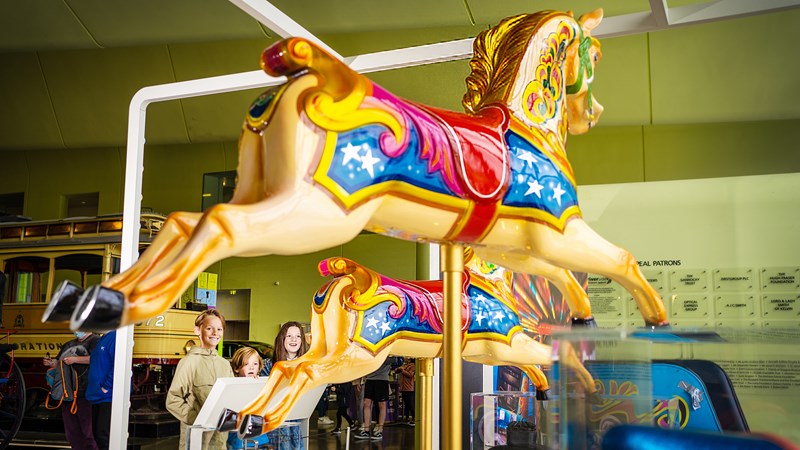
[
  {"x": 361, "y": 317},
  {"x": 329, "y": 154}
]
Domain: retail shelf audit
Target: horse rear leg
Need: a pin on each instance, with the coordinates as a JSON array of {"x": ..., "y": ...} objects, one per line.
[
  {"x": 524, "y": 352},
  {"x": 580, "y": 248},
  {"x": 563, "y": 279}
]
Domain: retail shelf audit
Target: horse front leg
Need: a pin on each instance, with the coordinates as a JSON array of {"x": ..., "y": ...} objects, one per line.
[
  {"x": 580, "y": 248},
  {"x": 562, "y": 279},
  {"x": 344, "y": 364},
  {"x": 168, "y": 243}
]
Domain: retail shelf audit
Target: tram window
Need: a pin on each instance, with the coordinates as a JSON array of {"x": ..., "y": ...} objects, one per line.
[
  {"x": 24, "y": 287},
  {"x": 27, "y": 279},
  {"x": 77, "y": 266}
]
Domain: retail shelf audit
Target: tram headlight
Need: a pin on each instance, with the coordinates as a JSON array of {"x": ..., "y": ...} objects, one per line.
[{"x": 188, "y": 346}]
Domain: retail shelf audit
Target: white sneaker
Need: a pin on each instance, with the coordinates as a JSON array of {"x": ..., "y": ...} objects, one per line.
[{"x": 325, "y": 420}]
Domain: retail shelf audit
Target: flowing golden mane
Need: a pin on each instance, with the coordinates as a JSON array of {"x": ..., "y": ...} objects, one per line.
[{"x": 497, "y": 55}]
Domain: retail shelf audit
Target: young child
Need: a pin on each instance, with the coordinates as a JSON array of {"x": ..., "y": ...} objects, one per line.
[
  {"x": 246, "y": 363},
  {"x": 195, "y": 376}
]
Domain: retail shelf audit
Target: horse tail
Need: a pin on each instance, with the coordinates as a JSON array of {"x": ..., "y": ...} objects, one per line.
[
  {"x": 295, "y": 56},
  {"x": 363, "y": 291},
  {"x": 337, "y": 102}
]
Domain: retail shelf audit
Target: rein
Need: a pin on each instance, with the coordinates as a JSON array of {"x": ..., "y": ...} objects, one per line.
[{"x": 585, "y": 67}]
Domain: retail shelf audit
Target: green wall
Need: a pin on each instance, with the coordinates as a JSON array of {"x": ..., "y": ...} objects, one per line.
[{"x": 712, "y": 100}]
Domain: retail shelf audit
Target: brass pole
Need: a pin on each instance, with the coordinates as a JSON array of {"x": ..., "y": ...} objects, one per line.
[
  {"x": 424, "y": 414},
  {"x": 452, "y": 262}
]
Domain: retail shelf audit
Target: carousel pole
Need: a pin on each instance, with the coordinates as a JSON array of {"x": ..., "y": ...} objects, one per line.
[
  {"x": 425, "y": 416},
  {"x": 452, "y": 270}
]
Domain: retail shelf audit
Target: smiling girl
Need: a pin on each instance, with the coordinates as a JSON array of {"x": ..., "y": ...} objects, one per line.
[{"x": 290, "y": 343}]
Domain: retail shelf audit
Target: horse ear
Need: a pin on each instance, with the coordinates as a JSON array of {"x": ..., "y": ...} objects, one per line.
[{"x": 590, "y": 21}]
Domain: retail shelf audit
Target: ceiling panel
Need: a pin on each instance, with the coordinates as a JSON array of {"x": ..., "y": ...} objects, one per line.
[
  {"x": 84, "y": 93},
  {"x": 91, "y": 91},
  {"x": 117, "y": 23},
  {"x": 40, "y": 25},
  {"x": 490, "y": 12},
  {"x": 216, "y": 117},
  {"x": 27, "y": 119}
]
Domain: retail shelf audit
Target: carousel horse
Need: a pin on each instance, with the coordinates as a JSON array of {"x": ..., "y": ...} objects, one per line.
[
  {"x": 329, "y": 154},
  {"x": 361, "y": 317}
]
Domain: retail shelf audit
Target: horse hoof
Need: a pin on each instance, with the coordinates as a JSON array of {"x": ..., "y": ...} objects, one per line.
[
  {"x": 100, "y": 309},
  {"x": 542, "y": 394},
  {"x": 63, "y": 302},
  {"x": 584, "y": 323},
  {"x": 227, "y": 420},
  {"x": 251, "y": 427}
]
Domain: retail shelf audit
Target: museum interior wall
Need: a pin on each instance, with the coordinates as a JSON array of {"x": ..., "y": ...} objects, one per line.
[{"x": 706, "y": 101}]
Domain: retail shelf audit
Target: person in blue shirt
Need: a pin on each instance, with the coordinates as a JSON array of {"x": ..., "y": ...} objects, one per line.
[{"x": 100, "y": 386}]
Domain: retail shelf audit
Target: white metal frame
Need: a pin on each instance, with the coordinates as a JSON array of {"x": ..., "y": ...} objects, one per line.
[{"x": 661, "y": 17}]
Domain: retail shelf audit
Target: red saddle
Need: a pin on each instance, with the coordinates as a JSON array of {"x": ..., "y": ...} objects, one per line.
[
  {"x": 436, "y": 288},
  {"x": 479, "y": 150}
]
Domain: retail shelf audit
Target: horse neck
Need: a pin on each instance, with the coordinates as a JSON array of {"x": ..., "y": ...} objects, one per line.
[{"x": 539, "y": 103}]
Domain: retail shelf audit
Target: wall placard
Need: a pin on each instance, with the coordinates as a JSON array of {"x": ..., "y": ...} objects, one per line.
[
  {"x": 657, "y": 279},
  {"x": 780, "y": 306},
  {"x": 734, "y": 306},
  {"x": 633, "y": 308},
  {"x": 691, "y": 306},
  {"x": 780, "y": 278},
  {"x": 734, "y": 280},
  {"x": 605, "y": 296},
  {"x": 688, "y": 280}
]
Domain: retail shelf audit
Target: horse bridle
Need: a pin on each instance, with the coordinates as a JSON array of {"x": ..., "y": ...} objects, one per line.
[{"x": 585, "y": 67}]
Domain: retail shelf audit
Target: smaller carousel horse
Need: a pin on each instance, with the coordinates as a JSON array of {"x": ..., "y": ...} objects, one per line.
[
  {"x": 361, "y": 317},
  {"x": 330, "y": 153}
]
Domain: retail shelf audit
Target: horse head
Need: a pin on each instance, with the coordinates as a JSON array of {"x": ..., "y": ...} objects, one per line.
[
  {"x": 540, "y": 67},
  {"x": 583, "y": 110}
]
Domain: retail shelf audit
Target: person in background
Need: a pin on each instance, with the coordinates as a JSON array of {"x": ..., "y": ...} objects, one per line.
[
  {"x": 290, "y": 344},
  {"x": 376, "y": 389},
  {"x": 322, "y": 408},
  {"x": 407, "y": 372},
  {"x": 195, "y": 376},
  {"x": 358, "y": 393},
  {"x": 77, "y": 425},
  {"x": 343, "y": 391},
  {"x": 100, "y": 386},
  {"x": 246, "y": 363}
]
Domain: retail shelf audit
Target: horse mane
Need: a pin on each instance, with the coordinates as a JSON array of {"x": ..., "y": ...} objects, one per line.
[{"x": 497, "y": 53}]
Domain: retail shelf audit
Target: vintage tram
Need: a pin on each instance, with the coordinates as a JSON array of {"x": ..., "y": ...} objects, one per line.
[{"x": 35, "y": 256}]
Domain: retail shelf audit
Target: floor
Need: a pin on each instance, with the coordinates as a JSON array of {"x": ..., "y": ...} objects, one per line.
[{"x": 395, "y": 437}]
